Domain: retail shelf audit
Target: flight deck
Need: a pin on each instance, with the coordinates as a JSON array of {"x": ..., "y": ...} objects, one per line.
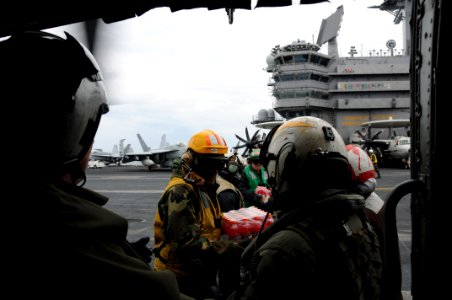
[{"x": 134, "y": 192}]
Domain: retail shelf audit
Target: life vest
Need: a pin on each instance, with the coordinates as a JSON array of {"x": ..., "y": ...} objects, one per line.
[
  {"x": 209, "y": 218},
  {"x": 255, "y": 179},
  {"x": 226, "y": 185}
]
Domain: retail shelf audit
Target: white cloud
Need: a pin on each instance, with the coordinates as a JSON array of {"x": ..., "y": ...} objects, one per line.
[{"x": 178, "y": 73}]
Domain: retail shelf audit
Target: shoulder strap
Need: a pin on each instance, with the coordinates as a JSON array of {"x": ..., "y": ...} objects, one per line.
[{"x": 298, "y": 228}]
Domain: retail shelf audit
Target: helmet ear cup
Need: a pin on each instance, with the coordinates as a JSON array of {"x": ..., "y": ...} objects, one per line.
[{"x": 187, "y": 160}]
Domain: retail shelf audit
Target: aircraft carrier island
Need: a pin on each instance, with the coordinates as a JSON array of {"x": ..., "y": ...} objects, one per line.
[{"x": 345, "y": 91}]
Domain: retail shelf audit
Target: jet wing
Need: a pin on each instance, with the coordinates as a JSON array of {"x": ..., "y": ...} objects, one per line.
[
  {"x": 387, "y": 123},
  {"x": 150, "y": 154},
  {"x": 269, "y": 124},
  {"x": 160, "y": 151},
  {"x": 158, "y": 156},
  {"x": 106, "y": 157}
]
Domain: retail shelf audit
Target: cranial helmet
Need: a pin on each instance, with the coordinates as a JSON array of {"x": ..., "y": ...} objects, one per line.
[
  {"x": 56, "y": 88},
  {"x": 362, "y": 168},
  {"x": 255, "y": 154},
  {"x": 208, "y": 142},
  {"x": 206, "y": 153},
  {"x": 304, "y": 156},
  {"x": 362, "y": 171}
]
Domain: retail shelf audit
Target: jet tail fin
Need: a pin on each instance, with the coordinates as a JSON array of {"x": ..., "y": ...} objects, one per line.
[
  {"x": 163, "y": 142},
  {"x": 121, "y": 146},
  {"x": 127, "y": 149},
  {"x": 145, "y": 147}
]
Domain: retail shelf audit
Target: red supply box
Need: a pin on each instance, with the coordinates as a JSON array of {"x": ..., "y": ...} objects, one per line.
[
  {"x": 262, "y": 190},
  {"x": 244, "y": 222}
]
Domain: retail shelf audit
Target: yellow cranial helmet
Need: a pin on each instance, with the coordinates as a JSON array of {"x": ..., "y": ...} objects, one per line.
[
  {"x": 207, "y": 150},
  {"x": 208, "y": 142}
]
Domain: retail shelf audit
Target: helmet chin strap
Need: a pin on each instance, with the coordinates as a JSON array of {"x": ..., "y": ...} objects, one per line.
[
  {"x": 190, "y": 177},
  {"x": 82, "y": 181},
  {"x": 73, "y": 173},
  {"x": 193, "y": 178},
  {"x": 78, "y": 175}
]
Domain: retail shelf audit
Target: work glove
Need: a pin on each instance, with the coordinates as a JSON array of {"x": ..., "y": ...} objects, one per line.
[{"x": 141, "y": 248}]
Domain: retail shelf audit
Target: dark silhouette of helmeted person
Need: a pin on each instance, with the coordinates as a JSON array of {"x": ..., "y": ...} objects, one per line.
[
  {"x": 64, "y": 244},
  {"x": 321, "y": 245},
  {"x": 228, "y": 194},
  {"x": 254, "y": 175},
  {"x": 364, "y": 183}
]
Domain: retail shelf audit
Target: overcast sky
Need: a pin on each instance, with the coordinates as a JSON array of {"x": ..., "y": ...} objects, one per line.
[{"x": 182, "y": 72}]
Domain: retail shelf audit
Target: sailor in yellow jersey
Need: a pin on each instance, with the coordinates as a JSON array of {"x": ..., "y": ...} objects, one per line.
[
  {"x": 187, "y": 226},
  {"x": 374, "y": 159}
]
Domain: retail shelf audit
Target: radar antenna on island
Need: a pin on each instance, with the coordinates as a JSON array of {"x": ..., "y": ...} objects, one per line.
[{"x": 329, "y": 30}]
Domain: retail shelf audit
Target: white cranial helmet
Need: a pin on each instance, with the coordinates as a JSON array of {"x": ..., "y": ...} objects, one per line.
[
  {"x": 304, "y": 156},
  {"x": 58, "y": 91}
]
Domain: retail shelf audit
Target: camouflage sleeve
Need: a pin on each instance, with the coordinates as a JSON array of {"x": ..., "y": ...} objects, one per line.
[{"x": 179, "y": 207}]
